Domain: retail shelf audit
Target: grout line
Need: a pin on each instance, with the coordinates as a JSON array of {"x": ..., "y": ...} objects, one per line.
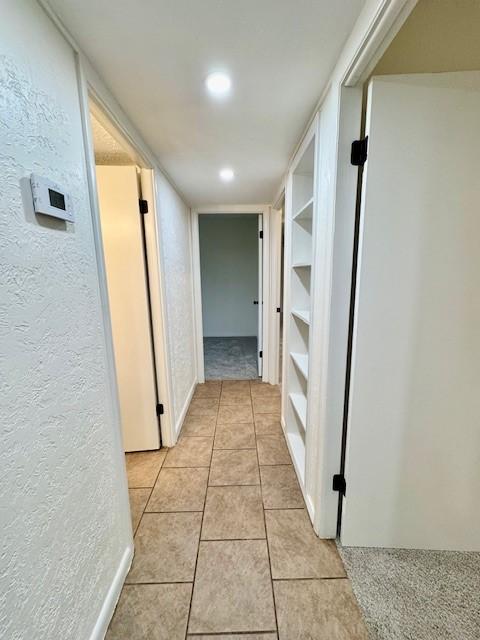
[
  {"x": 266, "y": 535},
  {"x": 201, "y": 526},
  {"x": 145, "y": 584},
  {"x": 146, "y": 503},
  {"x": 232, "y": 634},
  {"x": 317, "y": 579}
]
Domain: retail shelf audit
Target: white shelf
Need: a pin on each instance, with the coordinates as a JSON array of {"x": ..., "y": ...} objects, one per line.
[
  {"x": 304, "y": 212},
  {"x": 302, "y": 314},
  {"x": 301, "y": 361},
  {"x": 299, "y": 403},
  {"x": 302, "y": 265}
]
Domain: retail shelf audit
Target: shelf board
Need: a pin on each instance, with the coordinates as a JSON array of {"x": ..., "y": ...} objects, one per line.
[
  {"x": 301, "y": 265},
  {"x": 299, "y": 403},
  {"x": 301, "y": 361},
  {"x": 306, "y": 211},
  {"x": 302, "y": 314}
]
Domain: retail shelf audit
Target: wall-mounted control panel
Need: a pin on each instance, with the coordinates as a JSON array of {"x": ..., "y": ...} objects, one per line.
[{"x": 50, "y": 199}]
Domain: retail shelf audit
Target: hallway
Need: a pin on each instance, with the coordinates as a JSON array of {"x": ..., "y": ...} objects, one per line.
[{"x": 223, "y": 543}]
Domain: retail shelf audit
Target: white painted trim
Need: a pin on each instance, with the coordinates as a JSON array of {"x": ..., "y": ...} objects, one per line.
[
  {"x": 197, "y": 299},
  {"x": 103, "y": 292},
  {"x": 158, "y": 299},
  {"x": 157, "y": 303},
  {"x": 275, "y": 295},
  {"x": 109, "y": 604},
  {"x": 183, "y": 413},
  {"x": 377, "y": 25},
  {"x": 264, "y": 211}
]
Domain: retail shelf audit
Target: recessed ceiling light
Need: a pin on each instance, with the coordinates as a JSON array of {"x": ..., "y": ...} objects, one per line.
[
  {"x": 227, "y": 175},
  {"x": 218, "y": 83}
]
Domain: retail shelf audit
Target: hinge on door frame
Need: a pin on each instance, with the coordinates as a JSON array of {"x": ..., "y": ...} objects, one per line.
[
  {"x": 143, "y": 206},
  {"x": 159, "y": 409},
  {"x": 260, "y": 354},
  {"x": 339, "y": 483},
  {"x": 279, "y": 310},
  {"x": 358, "y": 155},
  {"x": 260, "y": 235}
]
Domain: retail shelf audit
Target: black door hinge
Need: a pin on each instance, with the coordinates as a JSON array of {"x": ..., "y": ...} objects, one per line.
[
  {"x": 339, "y": 483},
  {"x": 260, "y": 235},
  {"x": 260, "y": 354},
  {"x": 279, "y": 310},
  {"x": 143, "y": 206},
  {"x": 358, "y": 156},
  {"x": 159, "y": 409}
]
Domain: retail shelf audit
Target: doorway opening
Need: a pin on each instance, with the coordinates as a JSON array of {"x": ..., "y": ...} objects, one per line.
[
  {"x": 125, "y": 198},
  {"x": 231, "y": 275}
]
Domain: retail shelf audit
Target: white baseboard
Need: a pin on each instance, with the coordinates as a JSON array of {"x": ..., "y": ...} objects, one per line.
[
  {"x": 110, "y": 602},
  {"x": 179, "y": 423}
]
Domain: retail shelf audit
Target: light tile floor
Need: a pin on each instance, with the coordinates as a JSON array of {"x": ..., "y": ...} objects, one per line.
[{"x": 224, "y": 547}]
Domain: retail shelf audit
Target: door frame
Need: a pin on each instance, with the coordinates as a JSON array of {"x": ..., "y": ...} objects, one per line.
[
  {"x": 92, "y": 92},
  {"x": 261, "y": 210}
]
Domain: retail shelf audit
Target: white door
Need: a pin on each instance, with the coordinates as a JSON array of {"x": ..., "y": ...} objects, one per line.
[
  {"x": 129, "y": 306},
  {"x": 260, "y": 297},
  {"x": 413, "y": 440}
]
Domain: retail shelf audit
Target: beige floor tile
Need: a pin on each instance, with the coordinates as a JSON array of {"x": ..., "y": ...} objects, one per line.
[
  {"x": 166, "y": 548},
  {"x": 203, "y": 407},
  {"x": 143, "y": 467},
  {"x": 235, "y": 413},
  {"x": 272, "y": 450},
  {"x": 209, "y": 389},
  {"x": 199, "y": 426},
  {"x": 235, "y": 398},
  {"x": 236, "y": 385},
  {"x": 280, "y": 488},
  {"x": 151, "y": 612},
  {"x": 179, "y": 489},
  {"x": 236, "y": 636},
  {"x": 233, "y": 513},
  {"x": 264, "y": 390},
  {"x": 268, "y": 424},
  {"x": 190, "y": 452},
  {"x": 308, "y": 609},
  {"x": 235, "y": 436},
  {"x": 295, "y": 550},
  {"x": 237, "y": 467},
  {"x": 232, "y": 591},
  {"x": 138, "y": 499},
  {"x": 266, "y": 404}
]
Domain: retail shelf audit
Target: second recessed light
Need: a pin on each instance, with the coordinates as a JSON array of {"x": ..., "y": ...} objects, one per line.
[
  {"x": 218, "y": 83},
  {"x": 227, "y": 175}
]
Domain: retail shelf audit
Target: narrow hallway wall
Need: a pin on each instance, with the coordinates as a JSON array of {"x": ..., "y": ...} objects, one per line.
[
  {"x": 63, "y": 499},
  {"x": 175, "y": 238}
]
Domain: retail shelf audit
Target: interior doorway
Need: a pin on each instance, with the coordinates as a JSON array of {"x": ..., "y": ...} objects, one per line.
[
  {"x": 231, "y": 277},
  {"x": 123, "y": 205}
]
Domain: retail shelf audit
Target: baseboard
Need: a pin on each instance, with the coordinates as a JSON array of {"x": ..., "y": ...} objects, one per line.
[
  {"x": 110, "y": 602},
  {"x": 179, "y": 423}
]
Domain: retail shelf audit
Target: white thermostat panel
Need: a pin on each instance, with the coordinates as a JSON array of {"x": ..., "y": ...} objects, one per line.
[{"x": 50, "y": 199}]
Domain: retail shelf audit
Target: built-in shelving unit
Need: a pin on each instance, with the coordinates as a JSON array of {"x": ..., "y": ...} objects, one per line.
[{"x": 300, "y": 211}]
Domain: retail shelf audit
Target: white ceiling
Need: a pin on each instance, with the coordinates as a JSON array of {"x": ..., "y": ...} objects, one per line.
[{"x": 154, "y": 56}]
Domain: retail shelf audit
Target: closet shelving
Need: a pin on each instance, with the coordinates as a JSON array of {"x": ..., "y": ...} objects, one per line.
[{"x": 300, "y": 210}]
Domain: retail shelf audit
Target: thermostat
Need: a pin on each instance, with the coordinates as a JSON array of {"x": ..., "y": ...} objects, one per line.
[{"x": 50, "y": 199}]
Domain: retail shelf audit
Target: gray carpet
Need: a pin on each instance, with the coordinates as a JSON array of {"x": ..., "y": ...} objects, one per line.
[
  {"x": 416, "y": 595},
  {"x": 230, "y": 358}
]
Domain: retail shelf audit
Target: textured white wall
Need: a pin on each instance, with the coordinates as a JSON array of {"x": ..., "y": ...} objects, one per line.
[
  {"x": 175, "y": 237},
  {"x": 229, "y": 271},
  {"x": 64, "y": 517}
]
